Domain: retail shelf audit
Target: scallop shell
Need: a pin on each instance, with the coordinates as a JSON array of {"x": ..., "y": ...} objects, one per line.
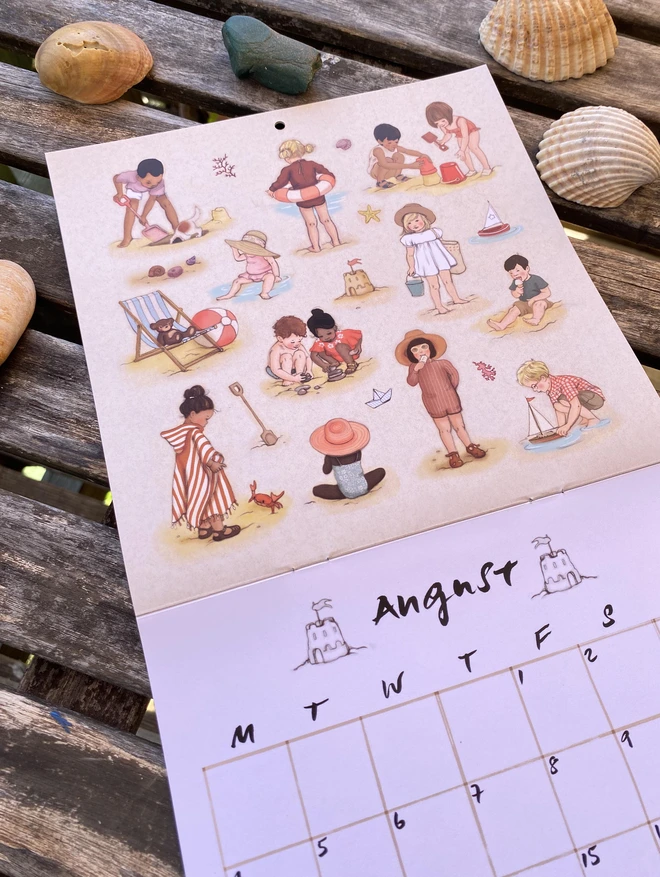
[
  {"x": 17, "y": 300},
  {"x": 549, "y": 39},
  {"x": 598, "y": 156},
  {"x": 93, "y": 62}
]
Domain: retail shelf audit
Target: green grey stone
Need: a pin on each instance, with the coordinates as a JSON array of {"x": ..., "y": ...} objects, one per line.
[{"x": 276, "y": 61}]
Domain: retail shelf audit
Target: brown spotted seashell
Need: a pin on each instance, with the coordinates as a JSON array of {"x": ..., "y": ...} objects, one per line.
[
  {"x": 92, "y": 62},
  {"x": 598, "y": 156},
  {"x": 549, "y": 39},
  {"x": 17, "y": 300}
]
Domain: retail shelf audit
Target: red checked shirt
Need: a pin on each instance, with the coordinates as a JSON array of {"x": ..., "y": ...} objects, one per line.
[
  {"x": 352, "y": 337},
  {"x": 570, "y": 386}
]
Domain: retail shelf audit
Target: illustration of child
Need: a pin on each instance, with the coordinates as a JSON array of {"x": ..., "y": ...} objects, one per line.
[
  {"x": 531, "y": 292},
  {"x": 260, "y": 264},
  {"x": 426, "y": 255},
  {"x": 437, "y": 379},
  {"x": 308, "y": 183},
  {"x": 574, "y": 399},
  {"x": 133, "y": 185},
  {"x": 387, "y": 160},
  {"x": 333, "y": 347},
  {"x": 288, "y": 359},
  {"x": 341, "y": 441},
  {"x": 441, "y": 116},
  {"x": 201, "y": 493}
]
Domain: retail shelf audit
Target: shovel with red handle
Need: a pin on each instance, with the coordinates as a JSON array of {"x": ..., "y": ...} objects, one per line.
[{"x": 151, "y": 232}]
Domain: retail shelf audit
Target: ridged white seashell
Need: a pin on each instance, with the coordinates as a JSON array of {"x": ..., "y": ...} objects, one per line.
[
  {"x": 549, "y": 39},
  {"x": 93, "y": 62},
  {"x": 598, "y": 156}
]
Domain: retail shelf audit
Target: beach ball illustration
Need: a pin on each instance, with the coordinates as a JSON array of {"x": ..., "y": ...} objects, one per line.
[{"x": 221, "y": 323}]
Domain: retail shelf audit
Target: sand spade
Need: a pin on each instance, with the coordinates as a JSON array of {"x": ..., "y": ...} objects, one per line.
[
  {"x": 152, "y": 232},
  {"x": 267, "y": 435}
]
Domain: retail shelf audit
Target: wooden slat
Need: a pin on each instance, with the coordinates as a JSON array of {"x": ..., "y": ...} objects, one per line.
[
  {"x": 78, "y": 799},
  {"x": 191, "y": 63},
  {"x": 64, "y": 594}
]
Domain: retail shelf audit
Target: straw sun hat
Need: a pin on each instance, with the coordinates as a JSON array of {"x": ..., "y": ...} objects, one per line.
[
  {"x": 254, "y": 244},
  {"x": 438, "y": 342},
  {"x": 413, "y": 208},
  {"x": 339, "y": 437}
]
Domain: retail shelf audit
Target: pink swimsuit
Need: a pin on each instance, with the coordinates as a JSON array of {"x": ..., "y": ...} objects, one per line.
[{"x": 256, "y": 268}]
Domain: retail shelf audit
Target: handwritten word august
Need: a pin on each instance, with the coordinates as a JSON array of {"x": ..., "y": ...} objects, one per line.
[{"x": 437, "y": 596}]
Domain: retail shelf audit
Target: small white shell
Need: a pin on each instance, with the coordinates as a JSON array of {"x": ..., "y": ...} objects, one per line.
[
  {"x": 17, "y": 300},
  {"x": 549, "y": 39},
  {"x": 93, "y": 62},
  {"x": 598, "y": 156}
]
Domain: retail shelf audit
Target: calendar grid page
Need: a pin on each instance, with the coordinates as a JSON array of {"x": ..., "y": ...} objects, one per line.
[{"x": 626, "y": 828}]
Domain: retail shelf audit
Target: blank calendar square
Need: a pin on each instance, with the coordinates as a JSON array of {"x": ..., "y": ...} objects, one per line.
[
  {"x": 615, "y": 857},
  {"x": 644, "y": 760},
  {"x": 521, "y": 819},
  {"x": 566, "y": 866},
  {"x": 256, "y": 805},
  {"x": 627, "y": 674},
  {"x": 561, "y": 701},
  {"x": 364, "y": 850},
  {"x": 336, "y": 778},
  {"x": 412, "y": 752},
  {"x": 488, "y": 742},
  {"x": 440, "y": 836},
  {"x": 299, "y": 861},
  {"x": 585, "y": 778}
]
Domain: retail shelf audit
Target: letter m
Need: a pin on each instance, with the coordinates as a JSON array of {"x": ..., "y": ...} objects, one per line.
[{"x": 241, "y": 736}]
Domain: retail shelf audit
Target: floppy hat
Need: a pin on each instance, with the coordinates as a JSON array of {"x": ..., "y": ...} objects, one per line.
[
  {"x": 340, "y": 437},
  {"x": 438, "y": 342},
  {"x": 413, "y": 208},
  {"x": 253, "y": 243}
]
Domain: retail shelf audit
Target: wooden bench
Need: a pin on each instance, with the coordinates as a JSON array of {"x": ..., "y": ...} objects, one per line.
[{"x": 80, "y": 794}]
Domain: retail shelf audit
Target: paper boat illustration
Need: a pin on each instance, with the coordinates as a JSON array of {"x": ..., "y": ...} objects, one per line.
[
  {"x": 380, "y": 398},
  {"x": 493, "y": 224}
]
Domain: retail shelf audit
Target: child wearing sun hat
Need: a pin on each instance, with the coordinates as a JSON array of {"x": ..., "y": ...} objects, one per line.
[
  {"x": 342, "y": 441},
  {"x": 260, "y": 264}
]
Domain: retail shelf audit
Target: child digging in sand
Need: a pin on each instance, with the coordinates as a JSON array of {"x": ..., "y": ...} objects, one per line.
[
  {"x": 147, "y": 179},
  {"x": 387, "y": 160},
  {"x": 288, "y": 359},
  {"x": 333, "y": 347},
  {"x": 531, "y": 292}
]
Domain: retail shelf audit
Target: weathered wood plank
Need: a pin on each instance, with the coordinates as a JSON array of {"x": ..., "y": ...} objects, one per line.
[
  {"x": 191, "y": 63},
  {"x": 78, "y": 799},
  {"x": 101, "y": 701},
  {"x": 445, "y": 38},
  {"x": 64, "y": 593},
  {"x": 58, "y": 497}
]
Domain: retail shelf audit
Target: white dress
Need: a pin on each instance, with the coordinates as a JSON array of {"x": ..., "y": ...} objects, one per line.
[{"x": 431, "y": 256}]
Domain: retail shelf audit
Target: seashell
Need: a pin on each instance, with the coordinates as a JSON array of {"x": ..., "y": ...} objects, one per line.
[
  {"x": 343, "y": 144},
  {"x": 549, "y": 39},
  {"x": 598, "y": 156},
  {"x": 92, "y": 62},
  {"x": 191, "y": 261},
  {"x": 156, "y": 271},
  {"x": 17, "y": 300},
  {"x": 177, "y": 271}
]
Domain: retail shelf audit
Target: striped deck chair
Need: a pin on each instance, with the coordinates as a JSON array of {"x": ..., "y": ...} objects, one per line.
[{"x": 143, "y": 310}]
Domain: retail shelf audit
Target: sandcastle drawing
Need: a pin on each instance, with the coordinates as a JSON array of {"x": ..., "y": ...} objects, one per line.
[
  {"x": 357, "y": 282},
  {"x": 325, "y": 641},
  {"x": 559, "y": 571},
  {"x": 220, "y": 215}
]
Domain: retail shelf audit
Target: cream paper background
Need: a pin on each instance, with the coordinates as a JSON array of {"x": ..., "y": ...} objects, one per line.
[{"x": 136, "y": 401}]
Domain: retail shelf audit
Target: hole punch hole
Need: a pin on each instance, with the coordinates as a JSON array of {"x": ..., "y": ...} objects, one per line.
[{"x": 280, "y": 126}]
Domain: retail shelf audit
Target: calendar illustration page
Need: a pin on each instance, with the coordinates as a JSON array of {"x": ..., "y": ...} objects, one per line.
[
  {"x": 316, "y": 330},
  {"x": 483, "y": 699}
]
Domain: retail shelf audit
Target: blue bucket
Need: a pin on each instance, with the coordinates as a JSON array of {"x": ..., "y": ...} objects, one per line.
[{"x": 415, "y": 285}]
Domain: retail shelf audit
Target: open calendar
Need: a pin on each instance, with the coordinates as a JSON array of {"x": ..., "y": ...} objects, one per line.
[{"x": 386, "y": 477}]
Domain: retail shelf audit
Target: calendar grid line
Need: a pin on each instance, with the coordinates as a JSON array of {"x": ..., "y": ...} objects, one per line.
[
  {"x": 615, "y": 734},
  {"x": 441, "y": 691},
  {"x": 517, "y": 686},
  {"x": 465, "y": 784},
  {"x": 302, "y": 805},
  {"x": 382, "y": 798}
]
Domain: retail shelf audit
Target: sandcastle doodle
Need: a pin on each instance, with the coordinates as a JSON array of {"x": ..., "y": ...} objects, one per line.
[
  {"x": 325, "y": 641},
  {"x": 558, "y": 570}
]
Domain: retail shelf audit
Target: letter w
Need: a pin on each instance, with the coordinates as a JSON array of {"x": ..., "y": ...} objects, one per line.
[
  {"x": 242, "y": 736},
  {"x": 391, "y": 687}
]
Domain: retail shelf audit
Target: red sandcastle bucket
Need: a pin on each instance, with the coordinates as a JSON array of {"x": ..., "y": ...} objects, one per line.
[
  {"x": 428, "y": 172},
  {"x": 451, "y": 173}
]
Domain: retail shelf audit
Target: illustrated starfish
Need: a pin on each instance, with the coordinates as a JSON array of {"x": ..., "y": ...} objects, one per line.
[{"x": 370, "y": 214}]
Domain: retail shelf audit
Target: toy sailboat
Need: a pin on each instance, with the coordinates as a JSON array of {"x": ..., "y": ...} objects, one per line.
[
  {"x": 536, "y": 433},
  {"x": 493, "y": 224}
]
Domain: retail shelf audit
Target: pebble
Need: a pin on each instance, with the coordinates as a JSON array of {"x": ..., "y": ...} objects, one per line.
[
  {"x": 191, "y": 260},
  {"x": 343, "y": 144},
  {"x": 302, "y": 391},
  {"x": 276, "y": 61},
  {"x": 156, "y": 271},
  {"x": 317, "y": 387},
  {"x": 17, "y": 300},
  {"x": 177, "y": 271}
]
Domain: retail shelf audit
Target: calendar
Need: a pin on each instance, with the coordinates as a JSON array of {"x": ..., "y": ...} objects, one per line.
[
  {"x": 438, "y": 711},
  {"x": 385, "y": 474}
]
